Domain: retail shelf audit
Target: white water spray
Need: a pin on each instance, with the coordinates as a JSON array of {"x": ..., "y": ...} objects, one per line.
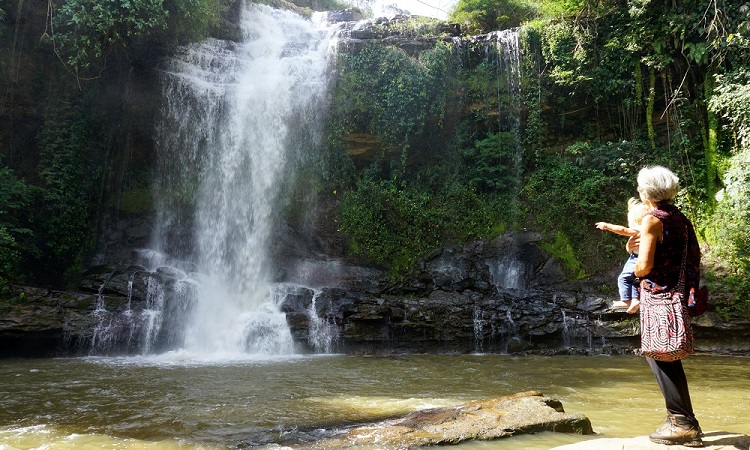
[{"x": 234, "y": 118}]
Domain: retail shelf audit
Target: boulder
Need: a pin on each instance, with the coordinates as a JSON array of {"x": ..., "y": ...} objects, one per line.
[{"x": 522, "y": 413}]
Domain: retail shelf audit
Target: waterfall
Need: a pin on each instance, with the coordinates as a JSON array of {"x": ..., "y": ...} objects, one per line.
[
  {"x": 508, "y": 272},
  {"x": 235, "y": 118},
  {"x": 322, "y": 333},
  {"x": 509, "y": 102},
  {"x": 479, "y": 324},
  {"x": 576, "y": 330}
]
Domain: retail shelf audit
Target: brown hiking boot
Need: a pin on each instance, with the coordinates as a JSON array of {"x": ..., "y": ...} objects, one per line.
[{"x": 678, "y": 430}]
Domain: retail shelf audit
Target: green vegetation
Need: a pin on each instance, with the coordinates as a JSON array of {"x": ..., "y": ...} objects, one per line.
[
  {"x": 483, "y": 16},
  {"x": 67, "y": 140},
  {"x": 390, "y": 94},
  {"x": 47, "y": 230},
  {"x": 393, "y": 225},
  {"x": 84, "y": 33},
  {"x": 606, "y": 88},
  {"x": 420, "y": 190},
  {"x": 572, "y": 191},
  {"x": 729, "y": 227},
  {"x": 70, "y": 180},
  {"x": 15, "y": 236}
]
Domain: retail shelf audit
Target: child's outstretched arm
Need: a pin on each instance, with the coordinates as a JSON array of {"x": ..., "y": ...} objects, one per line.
[{"x": 617, "y": 229}]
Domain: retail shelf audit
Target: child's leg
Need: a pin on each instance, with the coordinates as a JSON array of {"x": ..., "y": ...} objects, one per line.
[
  {"x": 635, "y": 304},
  {"x": 626, "y": 283}
]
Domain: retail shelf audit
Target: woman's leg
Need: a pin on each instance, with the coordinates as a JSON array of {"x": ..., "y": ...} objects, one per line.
[{"x": 674, "y": 386}]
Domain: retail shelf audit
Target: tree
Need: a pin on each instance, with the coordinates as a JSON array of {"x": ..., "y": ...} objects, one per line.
[{"x": 484, "y": 16}]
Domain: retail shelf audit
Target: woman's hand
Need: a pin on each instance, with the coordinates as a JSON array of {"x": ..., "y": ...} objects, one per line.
[{"x": 634, "y": 242}]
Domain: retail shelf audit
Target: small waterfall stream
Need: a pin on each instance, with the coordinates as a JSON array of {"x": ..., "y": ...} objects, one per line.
[{"x": 235, "y": 117}]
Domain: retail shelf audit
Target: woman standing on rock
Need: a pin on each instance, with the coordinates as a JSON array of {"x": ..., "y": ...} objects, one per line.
[{"x": 668, "y": 260}]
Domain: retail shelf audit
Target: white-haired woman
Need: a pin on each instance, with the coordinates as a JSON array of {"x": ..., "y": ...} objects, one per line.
[{"x": 667, "y": 251}]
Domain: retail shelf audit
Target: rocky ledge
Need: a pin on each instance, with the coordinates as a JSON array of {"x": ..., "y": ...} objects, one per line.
[
  {"x": 501, "y": 296},
  {"x": 715, "y": 440},
  {"x": 522, "y": 413}
]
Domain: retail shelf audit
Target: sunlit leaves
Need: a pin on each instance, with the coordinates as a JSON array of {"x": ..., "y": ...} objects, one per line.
[
  {"x": 484, "y": 16},
  {"x": 732, "y": 101}
]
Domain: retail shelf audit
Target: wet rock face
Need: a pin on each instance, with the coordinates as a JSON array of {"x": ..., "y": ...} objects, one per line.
[
  {"x": 502, "y": 296},
  {"x": 344, "y": 15}
]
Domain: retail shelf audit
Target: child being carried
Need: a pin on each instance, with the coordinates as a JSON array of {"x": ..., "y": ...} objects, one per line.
[{"x": 629, "y": 295}]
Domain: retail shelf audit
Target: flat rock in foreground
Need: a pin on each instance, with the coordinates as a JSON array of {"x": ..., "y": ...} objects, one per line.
[
  {"x": 715, "y": 440},
  {"x": 526, "y": 412}
]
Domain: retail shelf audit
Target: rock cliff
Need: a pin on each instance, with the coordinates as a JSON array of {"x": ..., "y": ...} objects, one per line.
[{"x": 499, "y": 296}]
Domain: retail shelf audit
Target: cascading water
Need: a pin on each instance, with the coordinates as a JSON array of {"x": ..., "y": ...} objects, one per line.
[
  {"x": 479, "y": 324},
  {"x": 510, "y": 108},
  {"x": 509, "y": 272},
  {"x": 322, "y": 334},
  {"x": 235, "y": 118},
  {"x": 510, "y": 64}
]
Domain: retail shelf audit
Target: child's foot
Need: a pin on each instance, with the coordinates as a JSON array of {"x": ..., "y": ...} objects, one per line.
[
  {"x": 621, "y": 304},
  {"x": 635, "y": 305}
]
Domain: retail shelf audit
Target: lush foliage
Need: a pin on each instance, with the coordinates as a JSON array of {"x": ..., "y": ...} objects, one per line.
[
  {"x": 483, "y": 16},
  {"x": 607, "y": 87},
  {"x": 391, "y": 93},
  {"x": 72, "y": 141},
  {"x": 85, "y": 32},
  {"x": 414, "y": 195},
  {"x": 729, "y": 229},
  {"x": 394, "y": 225},
  {"x": 729, "y": 253},
  {"x": 732, "y": 101},
  {"x": 412, "y": 26},
  {"x": 572, "y": 191},
  {"x": 15, "y": 236},
  {"x": 490, "y": 165}
]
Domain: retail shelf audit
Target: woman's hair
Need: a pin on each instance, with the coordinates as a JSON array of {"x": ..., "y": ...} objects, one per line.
[
  {"x": 658, "y": 184},
  {"x": 636, "y": 212}
]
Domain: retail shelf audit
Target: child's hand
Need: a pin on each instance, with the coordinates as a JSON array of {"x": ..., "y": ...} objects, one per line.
[{"x": 601, "y": 225}]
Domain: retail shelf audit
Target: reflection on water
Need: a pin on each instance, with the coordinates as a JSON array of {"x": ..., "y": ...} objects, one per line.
[{"x": 173, "y": 401}]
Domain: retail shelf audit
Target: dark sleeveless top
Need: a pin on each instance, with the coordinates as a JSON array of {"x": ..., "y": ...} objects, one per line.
[{"x": 671, "y": 249}]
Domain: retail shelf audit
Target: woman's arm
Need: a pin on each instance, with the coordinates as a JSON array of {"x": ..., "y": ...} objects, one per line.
[
  {"x": 617, "y": 229},
  {"x": 651, "y": 229}
]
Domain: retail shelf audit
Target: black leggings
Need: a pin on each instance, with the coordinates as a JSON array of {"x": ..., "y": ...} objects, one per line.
[{"x": 674, "y": 387}]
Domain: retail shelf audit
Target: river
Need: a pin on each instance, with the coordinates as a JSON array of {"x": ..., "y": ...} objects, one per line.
[{"x": 174, "y": 401}]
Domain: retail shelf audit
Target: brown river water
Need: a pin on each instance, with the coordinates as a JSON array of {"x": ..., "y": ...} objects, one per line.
[{"x": 175, "y": 401}]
